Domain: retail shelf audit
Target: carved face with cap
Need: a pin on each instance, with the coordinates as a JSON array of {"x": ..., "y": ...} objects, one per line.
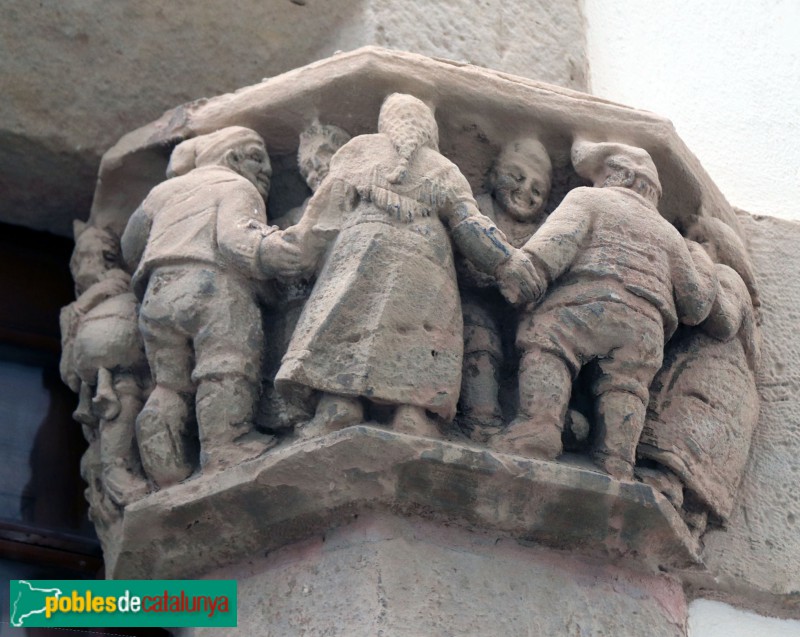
[
  {"x": 236, "y": 147},
  {"x": 318, "y": 145},
  {"x": 609, "y": 164},
  {"x": 520, "y": 179},
  {"x": 96, "y": 252}
]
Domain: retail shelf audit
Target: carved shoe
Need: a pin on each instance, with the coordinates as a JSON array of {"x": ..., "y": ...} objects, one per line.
[
  {"x": 526, "y": 438},
  {"x": 333, "y": 413},
  {"x": 412, "y": 420},
  {"x": 614, "y": 466},
  {"x": 227, "y": 454},
  {"x": 123, "y": 486}
]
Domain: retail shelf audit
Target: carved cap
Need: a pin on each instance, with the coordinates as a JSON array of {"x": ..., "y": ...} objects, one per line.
[
  {"x": 209, "y": 149},
  {"x": 592, "y": 160}
]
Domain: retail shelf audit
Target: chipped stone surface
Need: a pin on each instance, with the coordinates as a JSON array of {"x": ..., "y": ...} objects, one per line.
[
  {"x": 755, "y": 562},
  {"x": 382, "y": 575},
  {"x": 307, "y": 488},
  {"x": 79, "y": 74}
]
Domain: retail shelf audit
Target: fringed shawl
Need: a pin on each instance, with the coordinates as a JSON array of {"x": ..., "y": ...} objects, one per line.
[{"x": 429, "y": 186}]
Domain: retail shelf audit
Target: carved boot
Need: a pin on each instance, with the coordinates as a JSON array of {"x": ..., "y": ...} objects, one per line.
[
  {"x": 225, "y": 410},
  {"x": 620, "y": 419},
  {"x": 527, "y": 438},
  {"x": 165, "y": 445},
  {"x": 413, "y": 420},
  {"x": 545, "y": 385},
  {"x": 333, "y": 413}
]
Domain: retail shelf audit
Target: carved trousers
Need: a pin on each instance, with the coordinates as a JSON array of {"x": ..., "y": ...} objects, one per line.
[
  {"x": 200, "y": 322},
  {"x": 627, "y": 343}
]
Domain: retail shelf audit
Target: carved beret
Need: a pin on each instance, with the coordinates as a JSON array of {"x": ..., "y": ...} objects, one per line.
[
  {"x": 209, "y": 148},
  {"x": 591, "y": 159}
]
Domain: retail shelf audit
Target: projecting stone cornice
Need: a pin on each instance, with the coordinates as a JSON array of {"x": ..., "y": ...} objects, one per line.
[{"x": 477, "y": 109}]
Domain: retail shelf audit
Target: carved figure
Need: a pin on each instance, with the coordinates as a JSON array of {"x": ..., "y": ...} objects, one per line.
[
  {"x": 620, "y": 279},
  {"x": 704, "y": 403},
  {"x": 383, "y": 322},
  {"x": 318, "y": 144},
  {"x": 103, "y": 361},
  {"x": 519, "y": 184},
  {"x": 199, "y": 244}
]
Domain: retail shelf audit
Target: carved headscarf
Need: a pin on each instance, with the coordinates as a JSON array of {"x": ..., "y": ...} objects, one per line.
[
  {"x": 209, "y": 149},
  {"x": 410, "y": 125}
]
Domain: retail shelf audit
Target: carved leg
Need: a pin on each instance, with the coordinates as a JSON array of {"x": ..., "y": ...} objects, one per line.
[
  {"x": 122, "y": 477},
  {"x": 333, "y": 413},
  {"x": 479, "y": 407},
  {"x": 162, "y": 428},
  {"x": 225, "y": 410},
  {"x": 545, "y": 384},
  {"x": 620, "y": 419},
  {"x": 410, "y": 419},
  {"x": 164, "y": 443},
  {"x": 621, "y": 396}
]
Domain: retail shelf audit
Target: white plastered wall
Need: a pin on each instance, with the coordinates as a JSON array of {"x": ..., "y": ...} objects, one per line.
[
  {"x": 715, "y": 619},
  {"x": 726, "y": 72}
]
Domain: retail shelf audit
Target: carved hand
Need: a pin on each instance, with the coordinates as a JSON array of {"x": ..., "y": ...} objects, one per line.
[
  {"x": 281, "y": 258},
  {"x": 518, "y": 280}
]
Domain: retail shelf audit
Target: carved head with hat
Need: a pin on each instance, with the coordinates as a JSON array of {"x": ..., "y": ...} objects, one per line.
[
  {"x": 236, "y": 147},
  {"x": 608, "y": 164}
]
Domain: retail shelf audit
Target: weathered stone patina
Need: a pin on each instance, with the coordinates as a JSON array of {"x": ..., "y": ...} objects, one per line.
[{"x": 635, "y": 292}]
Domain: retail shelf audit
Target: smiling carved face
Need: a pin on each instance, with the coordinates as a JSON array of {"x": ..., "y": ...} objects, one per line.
[{"x": 520, "y": 185}]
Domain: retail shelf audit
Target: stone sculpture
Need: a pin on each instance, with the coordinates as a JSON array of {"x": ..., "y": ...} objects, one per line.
[
  {"x": 199, "y": 245},
  {"x": 704, "y": 402},
  {"x": 383, "y": 322},
  {"x": 620, "y": 280},
  {"x": 318, "y": 144},
  {"x": 103, "y": 361},
  {"x": 392, "y": 276},
  {"x": 519, "y": 184}
]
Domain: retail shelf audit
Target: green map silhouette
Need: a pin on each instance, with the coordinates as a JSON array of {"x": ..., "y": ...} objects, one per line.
[{"x": 30, "y": 601}]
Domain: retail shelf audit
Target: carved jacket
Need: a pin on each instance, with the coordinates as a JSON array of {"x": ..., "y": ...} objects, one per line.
[
  {"x": 212, "y": 216},
  {"x": 612, "y": 239}
]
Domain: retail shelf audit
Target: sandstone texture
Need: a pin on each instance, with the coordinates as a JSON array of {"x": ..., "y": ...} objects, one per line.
[
  {"x": 368, "y": 420},
  {"x": 77, "y": 75},
  {"x": 755, "y": 561},
  {"x": 305, "y": 488},
  {"x": 382, "y": 575},
  {"x": 478, "y": 112}
]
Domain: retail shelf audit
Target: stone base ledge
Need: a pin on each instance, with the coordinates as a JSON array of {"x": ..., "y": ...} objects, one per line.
[
  {"x": 304, "y": 489},
  {"x": 406, "y": 577}
]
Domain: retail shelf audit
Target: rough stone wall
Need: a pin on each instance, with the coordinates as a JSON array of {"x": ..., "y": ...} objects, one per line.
[{"x": 77, "y": 75}]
